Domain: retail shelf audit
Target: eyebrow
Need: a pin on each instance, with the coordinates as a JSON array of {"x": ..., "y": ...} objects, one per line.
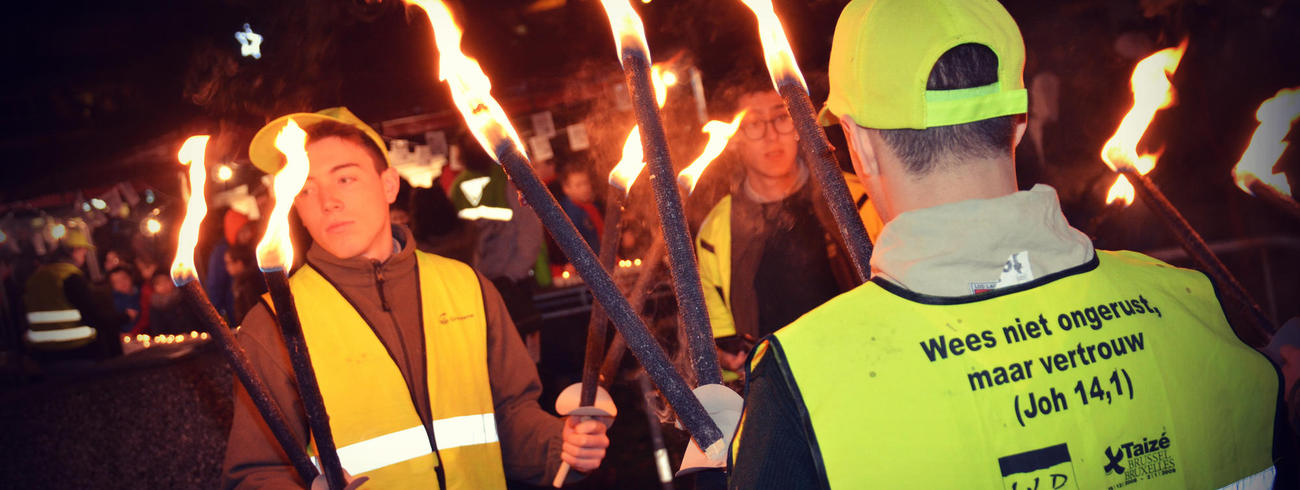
[{"x": 342, "y": 166}]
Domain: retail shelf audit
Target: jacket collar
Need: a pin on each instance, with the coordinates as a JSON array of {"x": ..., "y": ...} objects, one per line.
[
  {"x": 360, "y": 271},
  {"x": 960, "y": 248}
]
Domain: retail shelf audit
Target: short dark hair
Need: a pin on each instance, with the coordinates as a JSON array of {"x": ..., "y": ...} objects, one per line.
[
  {"x": 328, "y": 129},
  {"x": 965, "y": 66},
  {"x": 743, "y": 80}
]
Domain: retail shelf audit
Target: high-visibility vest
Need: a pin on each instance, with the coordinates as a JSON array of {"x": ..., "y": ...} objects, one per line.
[
  {"x": 376, "y": 428},
  {"x": 713, "y": 249},
  {"x": 1122, "y": 372},
  {"x": 53, "y": 322}
]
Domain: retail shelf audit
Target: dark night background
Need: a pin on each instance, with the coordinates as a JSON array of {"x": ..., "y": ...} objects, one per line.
[{"x": 102, "y": 92}]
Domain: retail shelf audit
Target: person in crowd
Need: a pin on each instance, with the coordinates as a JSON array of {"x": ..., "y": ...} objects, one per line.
[
  {"x": 579, "y": 202},
  {"x": 66, "y": 317},
  {"x": 436, "y": 227},
  {"x": 168, "y": 314},
  {"x": 246, "y": 281},
  {"x": 126, "y": 297},
  {"x": 218, "y": 282},
  {"x": 509, "y": 234},
  {"x": 404, "y": 344},
  {"x": 769, "y": 251},
  {"x": 994, "y": 346}
]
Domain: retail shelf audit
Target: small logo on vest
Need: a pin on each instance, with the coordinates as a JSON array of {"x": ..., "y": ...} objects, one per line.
[
  {"x": 1049, "y": 468},
  {"x": 445, "y": 319},
  {"x": 1139, "y": 460}
]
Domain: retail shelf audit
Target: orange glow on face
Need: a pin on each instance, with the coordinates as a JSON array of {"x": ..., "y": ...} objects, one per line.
[
  {"x": 719, "y": 134},
  {"x": 776, "y": 47},
  {"x": 275, "y": 251},
  {"x": 471, "y": 90},
  {"x": 1275, "y": 116},
  {"x": 192, "y": 154},
  {"x": 633, "y": 161},
  {"x": 1152, "y": 91},
  {"x": 629, "y": 32}
]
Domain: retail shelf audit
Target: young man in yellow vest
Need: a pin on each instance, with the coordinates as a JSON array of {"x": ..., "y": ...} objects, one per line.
[
  {"x": 1002, "y": 350},
  {"x": 769, "y": 251},
  {"x": 425, "y": 379}
]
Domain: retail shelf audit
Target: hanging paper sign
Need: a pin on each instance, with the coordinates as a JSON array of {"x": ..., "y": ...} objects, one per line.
[
  {"x": 540, "y": 148},
  {"x": 578, "y": 137},
  {"x": 544, "y": 124}
]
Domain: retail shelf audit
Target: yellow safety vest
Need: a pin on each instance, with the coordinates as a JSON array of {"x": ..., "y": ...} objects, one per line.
[
  {"x": 1122, "y": 372},
  {"x": 713, "y": 249},
  {"x": 54, "y": 323},
  {"x": 374, "y": 422}
]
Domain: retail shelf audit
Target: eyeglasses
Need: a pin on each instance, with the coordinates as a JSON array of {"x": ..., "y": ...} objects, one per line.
[{"x": 756, "y": 129}]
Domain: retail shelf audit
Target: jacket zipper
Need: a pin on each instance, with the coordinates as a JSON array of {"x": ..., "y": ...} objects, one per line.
[{"x": 379, "y": 284}]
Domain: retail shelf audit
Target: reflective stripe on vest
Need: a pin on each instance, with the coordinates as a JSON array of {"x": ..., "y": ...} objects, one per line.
[
  {"x": 1258, "y": 481},
  {"x": 371, "y": 413},
  {"x": 467, "y": 430},
  {"x": 56, "y": 316},
  {"x": 393, "y": 448},
  {"x": 60, "y": 335},
  {"x": 486, "y": 212},
  {"x": 1119, "y": 372}
]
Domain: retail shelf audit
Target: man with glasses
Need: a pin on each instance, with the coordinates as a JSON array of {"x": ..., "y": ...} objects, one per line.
[{"x": 769, "y": 251}]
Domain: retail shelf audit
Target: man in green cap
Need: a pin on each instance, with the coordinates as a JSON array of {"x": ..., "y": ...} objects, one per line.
[
  {"x": 423, "y": 375},
  {"x": 1001, "y": 350}
]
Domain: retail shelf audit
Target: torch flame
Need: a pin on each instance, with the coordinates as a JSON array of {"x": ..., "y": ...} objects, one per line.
[
  {"x": 629, "y": 167},
  {"x": 629, "y": 32},
  {"x": 776, "y": 47},
  {"x": 1152, "y": 91},
  {"x": 275, "y": 251},
  {"x": 1275, "y": 116},
  {"x": 471, "y": 90},
  {"x": 633, "y": 161},
  {"x": 719, "y": 134},
  {"x": 191, "y": 154}
]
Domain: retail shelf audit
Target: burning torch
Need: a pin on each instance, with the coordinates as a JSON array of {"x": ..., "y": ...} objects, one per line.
[
  {"x": 274, "y": 257},
  {"x": 185, "y": 277},
  {"x": 1254, "y": 172},
  {"x": 471, "y": 92},
  {"x": 789, "y": 82},
  {"x": 634, "y": 54},
  {"x": 1153, "y": 91}
]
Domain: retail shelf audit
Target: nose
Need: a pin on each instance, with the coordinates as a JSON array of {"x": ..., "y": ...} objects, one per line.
[{"x": 330, "y": 200}]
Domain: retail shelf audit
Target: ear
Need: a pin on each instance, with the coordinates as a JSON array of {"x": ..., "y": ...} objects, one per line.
[
  {"x": 1021, "y": 124},
  {"x": 391, "y": 182},
  {"x": 861, "y": 151}
]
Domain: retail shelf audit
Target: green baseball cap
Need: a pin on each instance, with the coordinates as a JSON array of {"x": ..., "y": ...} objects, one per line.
[
  {"x": 883, "y": 51},
  {"x": 265, "y": 156}
]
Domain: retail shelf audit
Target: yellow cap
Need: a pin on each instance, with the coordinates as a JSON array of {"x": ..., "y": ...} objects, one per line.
[
  {"x": 265, "y": 156},
  {"x": 883, "y": 51},
  {"x": 76, "y": 239}
]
